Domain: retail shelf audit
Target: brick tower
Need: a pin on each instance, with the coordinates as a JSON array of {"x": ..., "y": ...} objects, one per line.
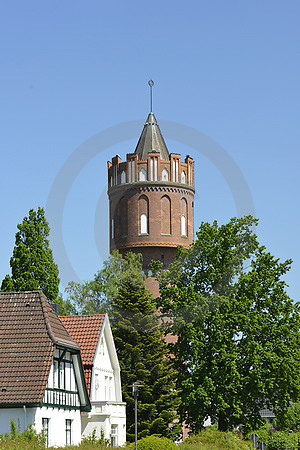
[{"x": 151, "y": 200}]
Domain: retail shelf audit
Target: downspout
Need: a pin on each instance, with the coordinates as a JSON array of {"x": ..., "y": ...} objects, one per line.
[{"x": 25, "y": 418}]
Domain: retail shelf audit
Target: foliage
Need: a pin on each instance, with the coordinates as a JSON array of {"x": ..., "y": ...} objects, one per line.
[
  {"x": 93, "y": 439},
  {"x": 32, "y": 263},
  {"x": 94, "y": 297},
  {"x": 289, "y": 419},
  {"x": 238, "y": 331},
  {"x": 142, "y": 356},
  {"x": 29, "y": 439},
  {"x": 283, "y": 441},
  {"x": 212, "y": 439},
  {"x": 154, "y": 443},
  {"x": 276, "y": 440}
]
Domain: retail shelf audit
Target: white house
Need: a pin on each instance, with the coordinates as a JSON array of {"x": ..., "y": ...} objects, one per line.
[
  {"x": 102, "y": 373},
  {"x": 41, "y": 373}
]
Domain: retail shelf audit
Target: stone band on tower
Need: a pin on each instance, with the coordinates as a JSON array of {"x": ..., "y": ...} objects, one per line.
[{"x": 151, "y": 199}]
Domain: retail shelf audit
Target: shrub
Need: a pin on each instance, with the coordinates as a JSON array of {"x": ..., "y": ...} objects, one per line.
[
  {"x": 154, "y": 443},
  {"x": 282, "y": 441},
  {"x": 212, "y": 439}
]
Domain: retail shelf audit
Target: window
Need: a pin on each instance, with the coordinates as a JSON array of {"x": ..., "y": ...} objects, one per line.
[
  {"x": 184, "y": 217},
  {"x": 143, "y": 174},
  {"x": 143, "y": 207},
  {"x": 183, "y": 177},
  {"x": 165, "y": 175},
  {"x": 123, "y": 176},
  {"x": 45, "y": 426},
  {"x": 114, "y": 435},
  {"x": 68, "y": 431},
  {"x": 144, "y": 224},
  {"x": 183, "y": 226}
]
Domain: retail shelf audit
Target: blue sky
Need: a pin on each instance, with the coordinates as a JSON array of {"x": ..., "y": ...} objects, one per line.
[{"x": 71, "y": 70}]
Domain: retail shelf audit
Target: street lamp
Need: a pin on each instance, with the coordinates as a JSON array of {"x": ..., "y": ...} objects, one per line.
[{"x": 135, "y": 392}]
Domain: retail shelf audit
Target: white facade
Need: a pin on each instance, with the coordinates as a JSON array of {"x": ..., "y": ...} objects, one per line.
[
  {"x": 60, "y": 414},
  {"x": 108, "y": 411}
]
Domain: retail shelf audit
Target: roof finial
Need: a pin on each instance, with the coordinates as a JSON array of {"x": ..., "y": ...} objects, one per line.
[{"x": 151, "y": 83}]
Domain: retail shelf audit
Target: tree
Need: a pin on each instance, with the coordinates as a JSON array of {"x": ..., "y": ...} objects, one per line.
[
  {"x": 119, "y": 289},
  {"x": 238, "y": 331},
  {"x": 95, "y": 296},
  {"x": 32, "y": 263},
  {"x": 290, "y": 419},
  {"x": 142, "y": 355}
]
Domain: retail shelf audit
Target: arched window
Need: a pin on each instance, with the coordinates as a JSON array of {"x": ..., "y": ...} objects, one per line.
[
  {"x": 144, "y": 224},
  {"x": 165, "y": 175},
  {"x": 123, "y": 176},
  {"x": 143, "y": 208},
  {"x": 143, "y": 174},
  {"x": 183, "y": 177},
  {"x": 183, "y": 226},
  {"x": 184, "y": 217},
  {"x": 165, "y": 204}
]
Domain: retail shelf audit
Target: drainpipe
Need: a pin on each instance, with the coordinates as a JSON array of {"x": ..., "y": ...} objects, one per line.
[{"x": 25, "y": 419}]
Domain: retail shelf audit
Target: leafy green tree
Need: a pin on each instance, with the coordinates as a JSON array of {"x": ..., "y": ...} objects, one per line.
[
  {"x": 238, "y": 331},
  {"x": 142, "y": 355},
  {"x": 32, "y": 264},
  {"x": 94, "y": 296},
  {"x": 288, "y": 419}
]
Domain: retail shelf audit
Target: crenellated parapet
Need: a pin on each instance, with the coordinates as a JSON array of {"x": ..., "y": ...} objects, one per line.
[{"x": 154, "y": 169}]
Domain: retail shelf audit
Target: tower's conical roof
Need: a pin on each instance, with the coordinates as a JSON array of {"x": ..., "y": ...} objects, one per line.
[{"x": 151, "y": 140}]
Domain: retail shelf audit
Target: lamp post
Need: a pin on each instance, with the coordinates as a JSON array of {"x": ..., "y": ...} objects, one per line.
[{"x": 135, "y": 392}]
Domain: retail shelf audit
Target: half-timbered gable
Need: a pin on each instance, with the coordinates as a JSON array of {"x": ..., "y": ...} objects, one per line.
[{"x": 41, "y": 372}]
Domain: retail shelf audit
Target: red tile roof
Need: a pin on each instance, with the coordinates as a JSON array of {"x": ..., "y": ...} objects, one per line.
[
  {"x": 29, "y": 332},
  {"x": 85, "y": 330}
]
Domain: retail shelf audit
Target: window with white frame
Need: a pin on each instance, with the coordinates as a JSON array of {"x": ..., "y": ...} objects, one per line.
[
  {"x": 114, "y": 435},
  {"x": 183, "y": 177}
]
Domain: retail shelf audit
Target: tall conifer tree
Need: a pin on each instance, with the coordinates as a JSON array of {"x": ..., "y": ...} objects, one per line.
[
  {"x": 32, "y": 263},
  {"x": 142, "y": 355}
]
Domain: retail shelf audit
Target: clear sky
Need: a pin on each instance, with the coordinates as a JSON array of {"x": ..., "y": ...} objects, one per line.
[{"x": 71, "y": 70}]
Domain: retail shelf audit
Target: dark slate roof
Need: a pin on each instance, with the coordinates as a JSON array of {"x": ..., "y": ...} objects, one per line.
[
  {"x": 85, "y": 330},
  {"x": 151, "y": 140},
  {"x": 29, "y": 332}
]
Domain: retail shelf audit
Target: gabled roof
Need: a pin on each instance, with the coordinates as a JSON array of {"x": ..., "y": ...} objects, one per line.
[
  {"x": 86, "y": 331},
  {"x": 151, "y": 140},
  {"x": 29, "y": 332}
]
